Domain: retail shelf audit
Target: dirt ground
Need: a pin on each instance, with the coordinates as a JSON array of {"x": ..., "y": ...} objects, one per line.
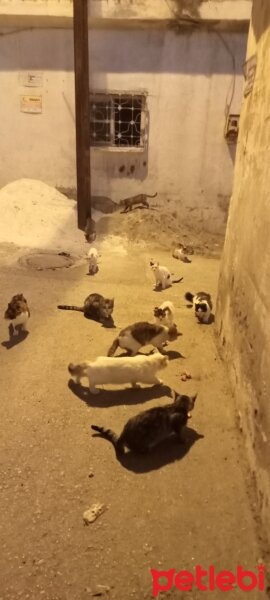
[
  {"x": 177, "y": 508},
  {"x": 159, "y": 227}
]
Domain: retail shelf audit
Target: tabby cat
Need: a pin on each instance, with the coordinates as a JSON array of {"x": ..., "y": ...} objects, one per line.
[
  {"x": 95, "y": 307},
  {"x": 128, "y": 203},
  {"x": 151, "y": 426}
]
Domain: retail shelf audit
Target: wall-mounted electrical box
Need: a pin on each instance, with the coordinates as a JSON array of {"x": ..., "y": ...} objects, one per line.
[{"x": 232, "y": 128}]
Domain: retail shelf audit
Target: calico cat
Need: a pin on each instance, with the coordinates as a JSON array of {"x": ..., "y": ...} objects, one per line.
[
  {"x": 92, "y": 258},
  {"x": 181, "y": 254},
  {"x": 148, "y": 428},
  {"x": 162, "y": 276},
  {"x": 17, "y": 313},
  {"x": 202, "y": 305},
  {"x": 90, "y": 230},
  {"x": 164, "y": 314},
  {"x": 123, "y": 369},
  {"x": 128, "y": 203},
  {"x": 95, "y": 307},
  {"x": 141, "y": 334}
]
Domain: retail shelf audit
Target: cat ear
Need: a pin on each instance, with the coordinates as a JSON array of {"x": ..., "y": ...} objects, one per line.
[{"x": 194, "y": 398}]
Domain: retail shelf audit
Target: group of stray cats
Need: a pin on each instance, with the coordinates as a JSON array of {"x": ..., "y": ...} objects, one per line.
[{"x": 149, "y": 427}]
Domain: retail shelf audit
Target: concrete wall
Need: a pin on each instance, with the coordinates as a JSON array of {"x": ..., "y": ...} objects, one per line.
[
  {"x": 56, "y": 12},
  {"x": 244, "y": 289},
  {"x": 188, "y": 77}
]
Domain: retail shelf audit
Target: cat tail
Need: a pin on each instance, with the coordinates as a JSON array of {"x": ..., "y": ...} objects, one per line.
[
  {"x": 189, "y": 297},
  {"x": 109, "y": 435},
  {"x": 67, "y": 307},
  {"x": 177, "y": 280},
  {"x": 151, "y": 196},
  {"x": 113, "y": 347}
]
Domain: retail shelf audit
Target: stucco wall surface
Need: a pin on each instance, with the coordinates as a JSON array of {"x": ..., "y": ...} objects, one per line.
[
  {"x": 243, "y": 321},
  {"x": 188, "y": 78}
]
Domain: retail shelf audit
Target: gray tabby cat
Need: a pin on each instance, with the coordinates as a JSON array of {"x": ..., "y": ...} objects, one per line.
[
  {"x": 151, "y": 426},
  {"x": 95, "y": 307},
  {"x": 140, "y": 334},
  {"x": 128, "y": 203}
]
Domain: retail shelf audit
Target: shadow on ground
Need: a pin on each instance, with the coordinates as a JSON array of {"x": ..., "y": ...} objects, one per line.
[
  {"x": 15, "y": 339},
  {"x": 128, "y": 396},
  {"x": 166, "y": 452}
]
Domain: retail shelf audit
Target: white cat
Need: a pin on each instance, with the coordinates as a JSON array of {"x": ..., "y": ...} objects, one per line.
[
  {"x": 123, "y": 369},
  {"x": 162, "y": 276},
  {"x": 164, "y": 314},
  {"x": 92, "y": 259}
]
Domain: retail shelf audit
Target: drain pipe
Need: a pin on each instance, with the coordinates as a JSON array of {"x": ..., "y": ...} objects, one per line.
[{"x": 81, "y": 69}]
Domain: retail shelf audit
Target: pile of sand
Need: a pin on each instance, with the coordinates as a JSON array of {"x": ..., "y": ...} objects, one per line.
[
  {"x": 160, "y": 229},
  {"x": 36, "y": 215}
]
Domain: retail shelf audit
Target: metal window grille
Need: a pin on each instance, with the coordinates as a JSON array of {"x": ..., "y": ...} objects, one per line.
[{"x": 118, "y": 120}]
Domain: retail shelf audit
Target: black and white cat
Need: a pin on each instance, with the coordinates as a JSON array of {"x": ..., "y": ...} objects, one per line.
[
  {"x": 164, "y": 314},
  {"x": 124, "y": 369},
  {"x": 202, "y": 305},
  {"x": 163, "y": 277},
  {"x": 141, "y": 334},
  {"x": 151, "y": 426},
  {"x": 95, "y": 307},
  {"x": 17, "y": 314}
]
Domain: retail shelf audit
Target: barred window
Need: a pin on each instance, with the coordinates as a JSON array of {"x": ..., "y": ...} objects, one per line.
[{"x": 118, "y": 120}]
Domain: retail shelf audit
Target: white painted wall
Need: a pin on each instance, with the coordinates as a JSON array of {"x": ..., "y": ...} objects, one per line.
[
  {"x": 188, "y": 78},
  {"x": 39, "y": 146}
]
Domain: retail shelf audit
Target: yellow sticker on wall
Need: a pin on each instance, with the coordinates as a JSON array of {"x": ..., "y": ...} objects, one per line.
[{"x": 31, "y": 104}]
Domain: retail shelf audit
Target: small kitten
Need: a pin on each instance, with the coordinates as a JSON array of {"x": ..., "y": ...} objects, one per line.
[
  {"x": 128, "y": 203},
  {"x": 141, "y": 334},
  {"x": 181, "y": 254},
  {"x": 202, "y": 305},
  {"x": 164, "y": 314},
  {"x": 17, "y": 313},
  {"x": 148, "y": 428},
  {"x": 90, "y": 230},
  {"x": 162, "y": 276},
  {"x": 123, "y": 369},
  {"x": 92, "y": 258},
  {"x": 95, "y": 307}
]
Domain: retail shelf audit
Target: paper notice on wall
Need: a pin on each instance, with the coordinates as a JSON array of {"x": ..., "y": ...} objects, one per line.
[
  {"x": 31, "y": 104},
  {"x": 31, "y": 79}
]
